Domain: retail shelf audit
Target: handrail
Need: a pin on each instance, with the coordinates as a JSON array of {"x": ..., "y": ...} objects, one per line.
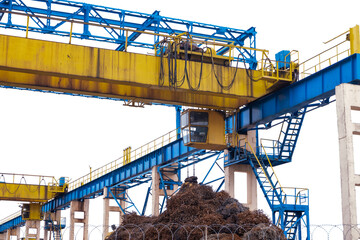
[
  {"x": 274, "y": 172},
  {"x": 257, "y": 159},
  {"x": 10, "y": 217},
  {"x": 269, "y": 69},
  {"x": 317, "y": 66},
  {"x": 332, "y": 39},
  {"x": 135, "y": 154},
  {"x": 297, "y": 193},
  {"x": 37, "y": 179}
]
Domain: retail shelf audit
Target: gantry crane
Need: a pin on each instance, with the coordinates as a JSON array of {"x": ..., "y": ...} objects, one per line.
[{"x": 217, "y": 71}]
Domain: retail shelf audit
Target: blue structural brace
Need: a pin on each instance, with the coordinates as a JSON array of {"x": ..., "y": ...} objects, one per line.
[
  {"x": 298, "y": 95},
  {"x": 112, "y": 18}
]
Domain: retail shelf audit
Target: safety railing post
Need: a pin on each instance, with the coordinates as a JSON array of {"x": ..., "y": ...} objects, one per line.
[
  {"x": 126, "y": 40},
  {"x": 27, "y": 26},
  {"x": 71, "y": 30}
]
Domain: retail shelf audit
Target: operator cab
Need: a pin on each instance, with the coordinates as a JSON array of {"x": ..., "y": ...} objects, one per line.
[{"x": 203, "y": 129}]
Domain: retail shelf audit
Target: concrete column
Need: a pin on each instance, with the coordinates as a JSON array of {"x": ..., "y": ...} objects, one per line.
[
  {"x": 251, "y": 185},
  {"x": 156, "y": 191},
  {"x": 108, "y": 209},
  {"x": 32, "y": 224},
  {"x": 18, "y": 231},
  {"x": 8, "y": 234},
  {"x": 79, "y": 206},
  {"x": 12, "y": 232},
  {"x": 46, "y": 234},
  {"x": 347, "y": 99}
]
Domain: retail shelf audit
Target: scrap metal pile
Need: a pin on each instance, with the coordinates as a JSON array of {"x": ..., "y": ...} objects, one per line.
[{"x": 197, "y": 212}]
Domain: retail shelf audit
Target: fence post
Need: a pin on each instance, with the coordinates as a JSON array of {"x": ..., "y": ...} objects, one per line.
[{"x": 206, "y": 232}]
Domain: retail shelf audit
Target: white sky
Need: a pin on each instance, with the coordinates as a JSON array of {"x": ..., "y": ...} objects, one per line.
[{"x": 62, "y": 135}]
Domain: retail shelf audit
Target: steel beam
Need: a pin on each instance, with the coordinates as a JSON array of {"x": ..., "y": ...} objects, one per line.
[
  {"x": 53, "y": 66},
  {"x": 292, "y": 98},
  {"x": 166, "y": 154}
]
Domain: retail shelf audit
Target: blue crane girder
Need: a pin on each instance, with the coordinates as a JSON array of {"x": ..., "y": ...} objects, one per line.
[
  {"x": 139, "y": 167},
  {"x": 298, "y": 95},
  {"x": 17, "y": 221}
]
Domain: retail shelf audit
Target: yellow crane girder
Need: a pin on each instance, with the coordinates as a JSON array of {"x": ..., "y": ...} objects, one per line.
[
  {"x": 77, "y": 69},
  {"x": 28, "y": 192}
]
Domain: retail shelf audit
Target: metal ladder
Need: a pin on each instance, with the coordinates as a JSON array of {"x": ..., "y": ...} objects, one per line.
[
  {"x": 57, "y": 235},
  {"x": 290, "y": 219},
  {"x": 266, "y": 176},
  {"x": 290, "y": 136}
]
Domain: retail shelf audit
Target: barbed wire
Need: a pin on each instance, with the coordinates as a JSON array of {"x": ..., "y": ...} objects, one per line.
[{"x": 202, "y": 232}]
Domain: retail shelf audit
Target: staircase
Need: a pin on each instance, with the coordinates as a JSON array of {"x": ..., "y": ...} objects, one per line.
[
  {"x": 289, "y": 137},
  {"x": 57, "y": 235},
  {"x": 54, "y": 228},
  {"x": 289, "y": 205},
  {"x": 266, "y": 176}
]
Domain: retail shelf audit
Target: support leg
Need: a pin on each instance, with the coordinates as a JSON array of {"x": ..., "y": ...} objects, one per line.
[
  {"x": 79, "y": 206},
  {"x": 108, "y": 209},
  {"x": 251, "y": 185},
  {"x": 347, "y": 99}
]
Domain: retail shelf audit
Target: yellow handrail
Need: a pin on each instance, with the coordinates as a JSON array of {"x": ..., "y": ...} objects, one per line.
[
  {"x": 273, "y": 172},
  {"x": 10, "y": 217},
  {"x": 30, "y": 178},
  {"x": 317, "y": 66},
  {"x": 131, "y": 156},
  {"x": 253, "y": 152}
]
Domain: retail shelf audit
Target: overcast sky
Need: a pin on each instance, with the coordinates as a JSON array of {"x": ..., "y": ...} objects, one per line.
[{"x": 62, "y": 135}]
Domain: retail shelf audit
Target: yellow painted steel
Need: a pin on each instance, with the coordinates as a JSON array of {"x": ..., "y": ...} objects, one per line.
[
  {"x": 28, "y": 192},
  {"x": 85, "y": 70},
  {"x": 32, "y": 211},
  {"x": 215, "y": 130},
  {"x": 127, "y": 155},
  {"x": 355, "y": 40},
  {"x": 29, "y": 188}
]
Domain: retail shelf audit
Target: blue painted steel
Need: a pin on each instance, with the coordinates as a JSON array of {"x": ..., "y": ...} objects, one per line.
[
  {"x": 296, "y": 96},
  {"x": 283, "y": 59},
  {"x": 178, "y": 121},
  {"x": 176, "y": 166},
  {"x": 111, "y": 18},
  {"x": 18, "y": 221},
  {"x": 146, "y": 200},
  {"x": 130, "y": 171},
  {"x": 212, "y": 166},
  {"x": 288, "y": 209},
  {"x": 291, "y": 134}
]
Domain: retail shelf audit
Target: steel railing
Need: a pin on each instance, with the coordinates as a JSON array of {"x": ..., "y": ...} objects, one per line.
[
  {"x": 28, "y": 179},
  {"x": 135, "y": 154},
  {"x": 325, "y": 59},
  {"x": 10, "y": 217}
]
